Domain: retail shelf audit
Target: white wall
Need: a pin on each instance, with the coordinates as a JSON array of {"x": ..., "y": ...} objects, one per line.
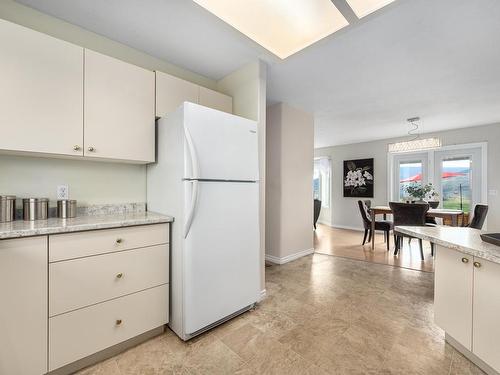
[
  {"x": 90, "y": 182},
  {"x": 247, "y": 86},
  {"x": 344, "y": 212},
  {"x": 289, "y": 202}
]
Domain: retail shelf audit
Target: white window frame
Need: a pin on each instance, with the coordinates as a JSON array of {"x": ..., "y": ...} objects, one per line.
[
  {"x": 393, "y": 157},
  {"x": 329, "y": 192}
]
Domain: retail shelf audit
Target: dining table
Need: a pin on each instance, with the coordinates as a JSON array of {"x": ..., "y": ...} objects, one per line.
[{"x": 442, "y": 213}]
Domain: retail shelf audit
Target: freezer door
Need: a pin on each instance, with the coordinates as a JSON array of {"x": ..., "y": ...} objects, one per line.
[
  {"x": 221, "y": 252},
  {"x": 219, "y": 145}
]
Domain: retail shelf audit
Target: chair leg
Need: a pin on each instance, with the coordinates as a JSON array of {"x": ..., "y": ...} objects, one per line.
[
  {"x": 387, "y": 236},
  {"x": 364, "y": 237},
  {"x": 421, "y": 249},
  {"x": 370, "y": 236},
  {"x": 396, "y": 245},
  {"x": 432, "y": 248}
]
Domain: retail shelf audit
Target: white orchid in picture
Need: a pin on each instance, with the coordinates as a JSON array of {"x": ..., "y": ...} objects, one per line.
[{"x": 358, "y": 178}]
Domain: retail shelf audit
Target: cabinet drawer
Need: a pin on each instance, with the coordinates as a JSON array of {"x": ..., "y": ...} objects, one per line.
[
  {"x": 81, "y": 244},
  {"x": 77, "y": 283},
  {"x": 80, "y": 333}
]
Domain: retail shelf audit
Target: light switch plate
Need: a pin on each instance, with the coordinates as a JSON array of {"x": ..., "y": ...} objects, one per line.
[
  {"x": 62, "y": 192},
  {"x": 493, "y": 192}
]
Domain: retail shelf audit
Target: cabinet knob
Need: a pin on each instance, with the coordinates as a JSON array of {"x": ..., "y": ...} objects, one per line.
[
  {"x": 119, "y": 276},
  {"x": 477, "y": 264},
  {"x": 119, "y": 240},
  {"x": 76, "y": 148},
  {"x": 465, "y": 260},
  {"x": 118, "y": 322},
  {"x": 91, "y": 149}
]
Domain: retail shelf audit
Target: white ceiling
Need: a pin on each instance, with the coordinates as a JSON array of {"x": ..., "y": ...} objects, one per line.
[{"x": 437, "y": 59}]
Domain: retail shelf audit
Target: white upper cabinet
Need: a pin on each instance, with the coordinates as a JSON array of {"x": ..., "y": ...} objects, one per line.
[
  {"x": 119, "y": 109},
  {"x": 171, "y": 92},
  {"x": 41, "y": 92},
  {"x": 216, "y": 100}
]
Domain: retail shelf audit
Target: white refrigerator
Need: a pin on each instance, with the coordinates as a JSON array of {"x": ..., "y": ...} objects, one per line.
[{"x": 206, "y": 176}]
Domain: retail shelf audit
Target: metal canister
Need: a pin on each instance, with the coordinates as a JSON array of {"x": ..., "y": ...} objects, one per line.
[
  {"x": 66, "y": 208},
  {"x": 35, "y": 209},
  {"x": 7, "y": 208}
]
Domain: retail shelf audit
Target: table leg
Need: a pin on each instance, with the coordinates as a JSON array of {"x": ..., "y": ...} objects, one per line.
[{"x": 373, "y": 228}]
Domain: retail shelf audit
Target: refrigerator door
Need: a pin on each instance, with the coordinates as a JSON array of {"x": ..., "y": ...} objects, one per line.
[
  {"x": 220, "y": 146},
  {"x": 221, "y": 252}
]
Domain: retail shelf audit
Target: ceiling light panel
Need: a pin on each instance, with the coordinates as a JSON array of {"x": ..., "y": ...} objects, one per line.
[
  {"x": 283, "y": 27},
  {"x": 365, "y": 7}
]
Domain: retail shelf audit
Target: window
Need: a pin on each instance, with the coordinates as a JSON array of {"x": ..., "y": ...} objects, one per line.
[
  {"x": 408, "y": 169},
  {"x": 321, "y": 181},
  {"x": 409, "y": 172}
]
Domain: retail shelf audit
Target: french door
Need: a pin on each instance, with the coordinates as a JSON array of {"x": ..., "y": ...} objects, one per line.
[
  {"x": 458, "y": 178},
  {"x": 408, "y": 169}
]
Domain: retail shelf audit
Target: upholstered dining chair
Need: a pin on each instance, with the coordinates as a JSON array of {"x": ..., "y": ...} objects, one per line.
[
  {"x": 480, "y": 212},
  {"x": 409, "y": 214},
  {"x": 383, "y": 225}
]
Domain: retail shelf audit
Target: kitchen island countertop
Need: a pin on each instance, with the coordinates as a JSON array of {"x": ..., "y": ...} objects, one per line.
[{"x": 466, "y": 240}]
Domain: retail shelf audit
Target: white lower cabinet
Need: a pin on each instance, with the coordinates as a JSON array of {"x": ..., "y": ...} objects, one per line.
[
  {"x": 486, "y": 338},
  {"x": 23, "y": 310},
  {"x": 80, "y": 333},
  {"x": 82, "y": 282},
  {"x": 453, "y": 294},
  {"x": 467, "y": 302}
]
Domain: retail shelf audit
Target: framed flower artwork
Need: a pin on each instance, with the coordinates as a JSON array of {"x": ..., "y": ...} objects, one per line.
[{"x": 358, "y": 178}]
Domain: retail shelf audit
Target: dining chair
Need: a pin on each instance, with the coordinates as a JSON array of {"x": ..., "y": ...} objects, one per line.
[
  {"x": 480, "y": 212},
  {"x": 409, "y": 214},
  {"x": 383, "y": 225}
]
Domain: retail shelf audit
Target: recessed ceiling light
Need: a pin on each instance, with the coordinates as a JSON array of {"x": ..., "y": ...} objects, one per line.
[
  {"x": 365, "y": 7},
  {"x": 283, "y": 27}
]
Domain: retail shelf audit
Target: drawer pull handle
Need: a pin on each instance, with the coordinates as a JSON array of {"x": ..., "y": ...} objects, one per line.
[
  {"x": 465, "y": 260},
  {"x": 118, "y": 322},
  {"x": 119, "y": 276},
  {"x": 477, "y": 264},
  {"x": 119, "y": 240}
]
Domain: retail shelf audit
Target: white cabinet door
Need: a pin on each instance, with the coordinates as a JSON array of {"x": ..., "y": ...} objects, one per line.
[
  {"x": 119, "y": 109},
  {"x": 41, "y": 92},
  {"x": 23, "y": 312},
  {"x": 215, "y": 100},
  {"x": 486, "y": 342},
  {"x": 171, "y": 92},
  {"x": 453, "y": 294}
]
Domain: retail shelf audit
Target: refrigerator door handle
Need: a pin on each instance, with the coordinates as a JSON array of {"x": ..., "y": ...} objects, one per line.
[
  {"x": 192, "y": 209},
  {"x": 195, "y": 170}
]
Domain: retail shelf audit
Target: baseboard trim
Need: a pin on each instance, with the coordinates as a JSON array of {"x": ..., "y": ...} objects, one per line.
[
  {"x": 357, "y": 229},
  {"x": 471, "y": 356},
  {"x": 325, "y": 222},
  {"x": 289, "y": 258}
]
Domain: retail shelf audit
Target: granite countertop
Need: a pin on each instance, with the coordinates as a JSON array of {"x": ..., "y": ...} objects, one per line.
[
  {"x": 465, "y": 240},
  {"x": 20, "y": 228}
]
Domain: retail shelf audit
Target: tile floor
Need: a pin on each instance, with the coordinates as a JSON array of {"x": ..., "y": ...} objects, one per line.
[
  {"x": 323, "y": 315},
  {"x": 347, "y": 243}
]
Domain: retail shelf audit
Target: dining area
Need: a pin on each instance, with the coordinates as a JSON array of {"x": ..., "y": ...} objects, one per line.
[{"x": 386, "y": 219}]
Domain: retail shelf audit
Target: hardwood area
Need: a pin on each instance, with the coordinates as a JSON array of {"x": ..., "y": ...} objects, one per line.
[{"x": 347, "y": 243}]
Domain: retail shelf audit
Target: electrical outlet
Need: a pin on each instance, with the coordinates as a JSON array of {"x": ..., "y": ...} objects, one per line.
[{"x": 62, "y": 192}]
